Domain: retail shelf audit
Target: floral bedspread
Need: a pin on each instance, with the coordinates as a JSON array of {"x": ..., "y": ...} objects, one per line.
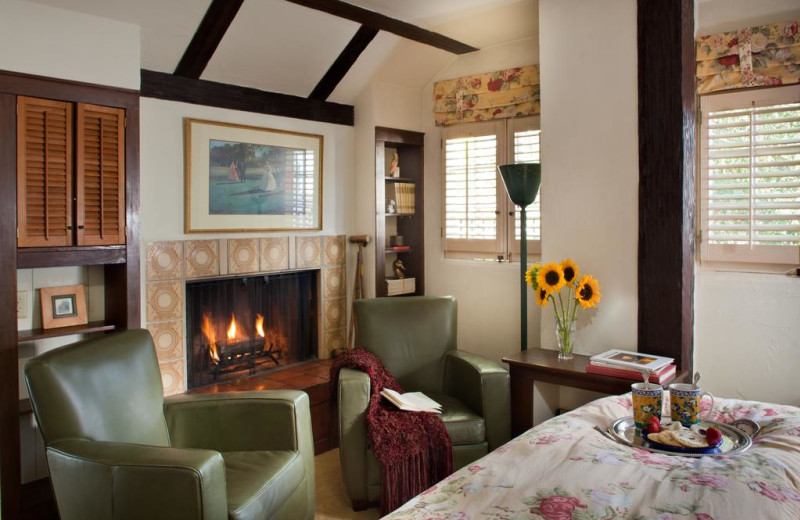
[{"x": 563, "y": 469}]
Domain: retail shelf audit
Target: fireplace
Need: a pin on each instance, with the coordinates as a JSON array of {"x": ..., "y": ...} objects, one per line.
[{"x": 239, "y": 326}]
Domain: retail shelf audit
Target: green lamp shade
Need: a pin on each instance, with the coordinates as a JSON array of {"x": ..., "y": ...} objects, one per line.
[{"x": 522, "y": 181}]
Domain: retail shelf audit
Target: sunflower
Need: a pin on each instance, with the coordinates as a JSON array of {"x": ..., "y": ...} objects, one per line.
[
  {"x": 587, "y": 292},
  {"x": 551, "y": 277},
  {"x": 542, "y": 295},
  {"x": 530, "y": 275},
  {"x": 570, "y": 271}
]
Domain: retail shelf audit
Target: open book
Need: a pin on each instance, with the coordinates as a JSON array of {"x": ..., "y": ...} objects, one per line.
[{"x": 412, "y": 401}]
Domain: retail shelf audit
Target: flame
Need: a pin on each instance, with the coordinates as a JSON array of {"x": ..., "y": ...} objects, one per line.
[
  {"x": 260, "y": 325},
  {"x": 208, "y": 330},
  {"x": 232, "y": 329}
]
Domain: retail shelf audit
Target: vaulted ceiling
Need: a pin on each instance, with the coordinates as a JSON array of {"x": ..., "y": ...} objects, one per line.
[{"x": 281, "y": 47}]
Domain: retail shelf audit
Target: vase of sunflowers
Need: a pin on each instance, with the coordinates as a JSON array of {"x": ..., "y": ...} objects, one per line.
[{"x": 548, "y": 280}]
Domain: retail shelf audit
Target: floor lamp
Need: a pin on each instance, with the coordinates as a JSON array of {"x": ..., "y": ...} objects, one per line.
[{"x": 522, "y": 184}]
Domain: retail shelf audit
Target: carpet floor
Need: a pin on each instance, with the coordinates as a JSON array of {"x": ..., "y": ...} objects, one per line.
[{"x": 332, "y": 500}]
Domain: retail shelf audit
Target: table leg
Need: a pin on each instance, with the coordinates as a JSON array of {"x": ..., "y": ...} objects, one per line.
[{"x": 521, "y": 402}]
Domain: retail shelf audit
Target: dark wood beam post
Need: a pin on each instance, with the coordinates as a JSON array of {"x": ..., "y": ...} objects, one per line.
[
  {"x": 206, "y": 39},
  {"x": 346, "y": 59},
  {"x": 9, "y": 385},
  {"x": 667, "y": 108},
  {"x": 385, "y": 23}
]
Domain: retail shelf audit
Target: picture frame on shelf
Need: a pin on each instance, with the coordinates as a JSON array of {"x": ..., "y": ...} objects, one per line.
[
  {"x": 242, "y": 178},
  {"x": 63, "y": 306}
]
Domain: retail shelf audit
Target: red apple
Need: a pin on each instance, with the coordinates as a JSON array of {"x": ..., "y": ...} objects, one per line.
[
  {"x": 713, "y": 436},
  {"x": 653, "y": 425}
]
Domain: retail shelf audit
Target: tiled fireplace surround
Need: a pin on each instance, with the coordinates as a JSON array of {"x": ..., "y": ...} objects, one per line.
[{"x": 170, "y": 264}]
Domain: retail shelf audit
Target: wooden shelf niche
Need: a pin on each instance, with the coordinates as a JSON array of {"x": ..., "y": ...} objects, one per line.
[{"x": 399, "y": 208}]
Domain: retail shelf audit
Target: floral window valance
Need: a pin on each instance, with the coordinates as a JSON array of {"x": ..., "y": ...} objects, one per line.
[
  {"x": 483, "y": 97},
  {"x": 751, "y": 57}
]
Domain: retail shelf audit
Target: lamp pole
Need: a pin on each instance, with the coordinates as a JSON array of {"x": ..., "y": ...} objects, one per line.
[{"x": 523, "y": 261}]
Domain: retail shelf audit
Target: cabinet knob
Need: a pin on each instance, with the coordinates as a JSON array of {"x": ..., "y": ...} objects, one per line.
[{"x": 81, "y": 227}]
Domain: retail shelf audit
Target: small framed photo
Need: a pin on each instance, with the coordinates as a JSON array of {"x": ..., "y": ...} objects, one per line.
[{"x": 63, "y": 306}]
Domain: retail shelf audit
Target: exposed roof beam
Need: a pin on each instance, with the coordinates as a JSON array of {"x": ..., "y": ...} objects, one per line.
[
  {"x": 346, "y": 59},
  {"x": 385, "y": 23},
  {"x": 162, "y": 85},
  {"x": 215, "y": 23}
]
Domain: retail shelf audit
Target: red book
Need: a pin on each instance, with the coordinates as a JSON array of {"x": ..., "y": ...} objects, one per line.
[{"x": 660, "y": 376}]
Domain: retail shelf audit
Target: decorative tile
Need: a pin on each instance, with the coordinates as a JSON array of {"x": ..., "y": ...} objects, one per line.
[
  {"x": 242, "y": 255},
  {"x": 172, "y": 377},
  {"x": 164, "y": 301},
  {"x": 334, "y": 250},
  {"x": 335, "y": 313},
  {"x": 308, "y": 252},
  {"x": 275, "y": 253},
  {"x": 333, "y": 282},
  {"x": 334, "y": 339},
  {"x": 202, "y": 258},
  {"x": 168, "y": 338},
  {"x": 164, "y": 260}
]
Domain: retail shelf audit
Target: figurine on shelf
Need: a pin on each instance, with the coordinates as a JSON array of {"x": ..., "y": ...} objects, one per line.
[
  {"x": 391, "y": 207},
  {"x": 394, "y": 167},
  {"x": 399, "y": 269}
]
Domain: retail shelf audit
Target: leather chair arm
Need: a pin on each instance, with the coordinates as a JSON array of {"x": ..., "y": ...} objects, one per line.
[
  {"x": 94, "y": 479},
  {"x": 483, "y": 385},
  {"x": 244, "y": 421},
  {"x": 353, "y": 398}
]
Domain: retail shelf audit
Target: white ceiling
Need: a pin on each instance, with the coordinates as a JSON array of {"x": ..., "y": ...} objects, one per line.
[{"x": 278, "y": 46}]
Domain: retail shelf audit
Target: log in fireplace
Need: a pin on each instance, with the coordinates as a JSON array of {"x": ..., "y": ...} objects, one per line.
[{"x": 239, "y": 326}]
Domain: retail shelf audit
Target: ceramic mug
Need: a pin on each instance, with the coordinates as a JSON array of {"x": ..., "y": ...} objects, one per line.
[
  {"x": 646, "y": 403},
  {"x": 685, "y": 403}
]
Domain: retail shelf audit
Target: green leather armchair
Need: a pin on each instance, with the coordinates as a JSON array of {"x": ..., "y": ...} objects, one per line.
[
  {"x": 117, "y": 449},
  {"x": 415, "y": 338}
]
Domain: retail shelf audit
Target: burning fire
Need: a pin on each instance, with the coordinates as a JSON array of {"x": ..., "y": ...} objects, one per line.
[
  {"x": 208, "y": 330},
  {"x": 232, "y": 329},
  {"x": 260, "y": 325}
]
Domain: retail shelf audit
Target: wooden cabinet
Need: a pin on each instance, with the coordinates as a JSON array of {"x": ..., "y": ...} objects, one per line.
[
  {"x": 70, "y": 174},
  {"x": 400, "y": 212}
]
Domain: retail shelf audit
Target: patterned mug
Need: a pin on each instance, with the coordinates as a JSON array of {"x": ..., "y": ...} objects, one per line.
[
  {"x": 685, "y": 403},
  {"x": 646, "y": 403}
]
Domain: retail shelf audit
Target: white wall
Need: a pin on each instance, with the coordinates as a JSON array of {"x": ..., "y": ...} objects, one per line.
[
  {"x": 487, "y": 292},
  {"x": 747, "y": 326},
  {"x": 590, "y": 170},
  {"x": 43, "y": 40}
]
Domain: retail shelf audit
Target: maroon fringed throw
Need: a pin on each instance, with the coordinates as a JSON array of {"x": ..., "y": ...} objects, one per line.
[{"x": 413, "y": 448}]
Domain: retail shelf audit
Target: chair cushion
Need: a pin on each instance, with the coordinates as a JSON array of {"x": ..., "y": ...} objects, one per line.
[
  {"x": 259, "y": 482},
  {"x": 463, "y": 425}
]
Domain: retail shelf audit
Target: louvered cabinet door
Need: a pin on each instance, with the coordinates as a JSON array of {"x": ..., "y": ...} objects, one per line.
[
  {"x": 44, "y": 172},
  {"x": 100, "y": 175}
]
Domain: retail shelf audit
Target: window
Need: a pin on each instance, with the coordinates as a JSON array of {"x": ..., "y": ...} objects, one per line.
[
  {"x": 479, "y": 220},
  {"x": 750, "y": 176}
]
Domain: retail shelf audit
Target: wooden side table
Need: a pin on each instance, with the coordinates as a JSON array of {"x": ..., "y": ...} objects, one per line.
[{"x": 543, "y": 365}]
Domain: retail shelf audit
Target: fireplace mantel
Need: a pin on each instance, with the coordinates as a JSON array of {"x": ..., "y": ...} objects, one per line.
[{"x": 170, "y": 264}]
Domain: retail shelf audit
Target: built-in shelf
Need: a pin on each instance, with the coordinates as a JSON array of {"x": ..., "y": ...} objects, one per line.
[
  {"x": 399, "y": 179},
  {"x": 35, "y": 257},
  {"x": 388, "y": 251},
  {"x": 93, "y": 326},
  {"x": 400, "y": 214}
]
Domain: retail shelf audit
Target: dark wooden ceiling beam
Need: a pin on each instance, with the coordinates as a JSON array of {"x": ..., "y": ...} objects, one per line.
[
  {"x": 343, "y": 63},
  {"x": 206, "y": 39},
  {"x": 385, "y": 23},
  {"x": 162, "y": 85}
]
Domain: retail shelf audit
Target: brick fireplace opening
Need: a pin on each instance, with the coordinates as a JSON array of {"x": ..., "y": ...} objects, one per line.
[{"x": 239, "y": 326}]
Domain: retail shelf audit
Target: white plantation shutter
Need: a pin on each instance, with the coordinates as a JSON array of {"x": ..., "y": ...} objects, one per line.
[
  {"x": 750, "y": 184},
  {"x": 524, "y": 141},
  {"x": 471, "y": 190}
]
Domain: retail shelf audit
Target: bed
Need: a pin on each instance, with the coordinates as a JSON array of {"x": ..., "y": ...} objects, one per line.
[{"x": 564, "y": 469}]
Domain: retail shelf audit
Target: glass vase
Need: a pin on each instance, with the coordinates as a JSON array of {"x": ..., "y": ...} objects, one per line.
[{"x": 565, "y": 334}]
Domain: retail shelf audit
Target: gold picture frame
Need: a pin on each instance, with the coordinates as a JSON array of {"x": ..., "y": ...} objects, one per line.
[
  {"x": 244, "y": 178},
  {"x": 63, "y": 306}
]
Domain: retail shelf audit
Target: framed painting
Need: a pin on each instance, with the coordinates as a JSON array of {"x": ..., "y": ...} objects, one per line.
[
  {"x": 244, "y": 178},
  {"x": 63, "y": 306}
]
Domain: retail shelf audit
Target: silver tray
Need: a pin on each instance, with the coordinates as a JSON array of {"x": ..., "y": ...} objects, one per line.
[{"x": 733, "y": 439}]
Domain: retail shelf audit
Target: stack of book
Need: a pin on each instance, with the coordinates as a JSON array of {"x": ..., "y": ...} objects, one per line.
[
  {"x": 630, "y": 365},
  {"x": 404, "y": 197},
  {"x": 396, "y": 286}
]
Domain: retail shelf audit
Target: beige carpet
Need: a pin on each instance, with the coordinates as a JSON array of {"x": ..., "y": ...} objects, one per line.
[{"x": 332, "y": 500}]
